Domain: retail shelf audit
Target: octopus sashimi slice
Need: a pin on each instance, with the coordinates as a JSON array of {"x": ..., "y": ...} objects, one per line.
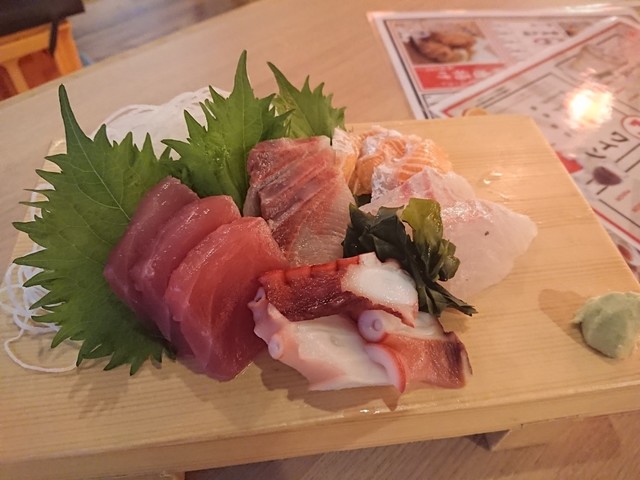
[
  {"x": 297, "y": 187},
  {"x": 328, "y": 351},
  {"x": 188, "y": 227},
  {"x": 488, "y": 238},
  {"x": 157, "y": 206},
  {"x": 445, "y": 188},
  {"x": 425, "y": 353},
  {"x": 209, "y": 292},
  {"x": 346, "y": 286}
]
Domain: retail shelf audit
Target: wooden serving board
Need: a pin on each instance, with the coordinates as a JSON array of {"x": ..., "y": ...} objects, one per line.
[{"x": 530, "y": 363}]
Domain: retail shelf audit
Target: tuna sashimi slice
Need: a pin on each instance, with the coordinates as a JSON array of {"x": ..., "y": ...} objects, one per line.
[
  {"x": 328, "y": 351},
  {"x": 158, "y": 205},
  {"x": 209, "y": 292},
  {"x": 190, "y": 225},
  {"x": 488, "y": 238},
  {"x": 425, "y": 353},
  {"x": 346, "y": 286},
  {"x": 297, "y": 186}
]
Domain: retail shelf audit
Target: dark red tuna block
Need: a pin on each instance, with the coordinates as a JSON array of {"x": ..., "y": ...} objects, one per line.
[
  {"x": 158, "y": 205},
  {"x": 188, "y": 227},
  {"x": 209, "y": 292},
  {"x": 297, "y": 187}
]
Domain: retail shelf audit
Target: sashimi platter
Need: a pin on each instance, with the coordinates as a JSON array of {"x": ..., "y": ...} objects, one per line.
[{"x": 280, "y": 277}]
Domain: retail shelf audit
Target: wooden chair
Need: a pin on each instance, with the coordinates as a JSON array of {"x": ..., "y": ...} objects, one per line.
[{"x": 25, "y": 58}]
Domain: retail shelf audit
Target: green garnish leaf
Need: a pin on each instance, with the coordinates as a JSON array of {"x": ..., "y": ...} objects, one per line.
[
  {"x": 100, "y": 183},
  {"x": 428, "y": 257},
  {"x": 311, "y": 112},
  {"x": 84, "y": 215},
  {"x": 213, "y": 160}
]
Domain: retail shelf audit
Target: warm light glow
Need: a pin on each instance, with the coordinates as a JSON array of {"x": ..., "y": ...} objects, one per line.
[{"x": 589, "y": 106}]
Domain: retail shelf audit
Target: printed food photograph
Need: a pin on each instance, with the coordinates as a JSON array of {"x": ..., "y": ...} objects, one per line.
[{"x": 447, "y": 43}]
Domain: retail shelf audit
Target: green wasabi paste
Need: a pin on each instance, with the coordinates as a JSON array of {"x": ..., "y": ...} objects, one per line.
[{"x": 611, "y": 323}]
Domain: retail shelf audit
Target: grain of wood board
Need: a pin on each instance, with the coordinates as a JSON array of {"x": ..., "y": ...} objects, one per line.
[{"x": 530, "y": 365}]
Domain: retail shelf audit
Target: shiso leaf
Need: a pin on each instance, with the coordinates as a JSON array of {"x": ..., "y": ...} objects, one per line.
[
  {"x": 213, "y": 160},
  {"x": 311, "y": 111},
  {"x": 85, "y": 213}
]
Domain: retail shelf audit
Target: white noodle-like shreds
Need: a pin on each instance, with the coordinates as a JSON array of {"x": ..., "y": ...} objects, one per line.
[{"x": 17, "y": 306}]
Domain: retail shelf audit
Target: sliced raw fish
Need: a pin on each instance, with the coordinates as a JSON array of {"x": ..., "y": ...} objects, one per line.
[
  {"x": 347, "y": 150},
  {"x": 388, "y": 158},
  {"x": 425, "y": 353},
  {"x": 488, "y": 238},
  {"x": 445, "y": 188},
  {"x": 328, "y": 351},
  {"x": 209, "y": 292},
  {"x": 186, "y": 229},
  {"x": 158, "y": 205},
  {"x": 346, "y": 286},
  {"x": 297, "y": 187}
]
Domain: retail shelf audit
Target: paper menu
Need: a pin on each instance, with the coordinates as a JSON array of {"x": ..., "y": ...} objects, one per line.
[
  {"x": 584, "y": 94},
  {"x": 436, "y": 54}
]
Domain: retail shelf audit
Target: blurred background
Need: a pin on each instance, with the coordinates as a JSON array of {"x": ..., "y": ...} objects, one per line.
[{"x": 43, "y": 39}]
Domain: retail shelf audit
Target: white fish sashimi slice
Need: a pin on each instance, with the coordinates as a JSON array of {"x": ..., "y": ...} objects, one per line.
[
  {"x": 445, "y": 188},
  {"x": 328, "y": 351},
  {"x": 488, "y": 238}
]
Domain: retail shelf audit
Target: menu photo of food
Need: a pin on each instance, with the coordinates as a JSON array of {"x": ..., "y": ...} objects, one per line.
[
  {"x": 436, "y": 54},
  {"x": 446, "y": 54},
  {"x": 453, "y": 42}
]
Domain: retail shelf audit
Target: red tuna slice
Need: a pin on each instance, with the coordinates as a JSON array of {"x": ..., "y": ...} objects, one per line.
[
  {"x": 346, "y": 286},
  {"x": 425, "y": 353},
  {"x": 209, "y": 292},
  {"x": 188, "y": 227},
  {"x": 297, "y": 187},
  {"x": 158, "y": 205}
]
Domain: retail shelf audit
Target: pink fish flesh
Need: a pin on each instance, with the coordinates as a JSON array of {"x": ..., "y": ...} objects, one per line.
[
  {"x": 297, "y": 187},
  {"x": 209, "y": 292},
  {"x": 157, "y": 206},
  {"x": 188, "y": 227}
]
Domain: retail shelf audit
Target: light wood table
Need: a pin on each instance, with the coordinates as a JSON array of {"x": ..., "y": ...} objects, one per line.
[{"x": 333, "y": 42}]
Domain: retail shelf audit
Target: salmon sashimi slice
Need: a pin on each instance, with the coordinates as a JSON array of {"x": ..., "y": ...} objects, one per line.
[
  {"x": 347, "y": 148},
  {"x": 186, "y": 229},
  {"x": 157, "y": 206},
  {"x": 328, "y": 351},
  {"x": 425, "y": 353},
  {"x": 388, "y": 158},
  {"x": 347, "y": 286},
  {"x": 209, "y": 292},
  {"x": 296, "y": 186}
]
